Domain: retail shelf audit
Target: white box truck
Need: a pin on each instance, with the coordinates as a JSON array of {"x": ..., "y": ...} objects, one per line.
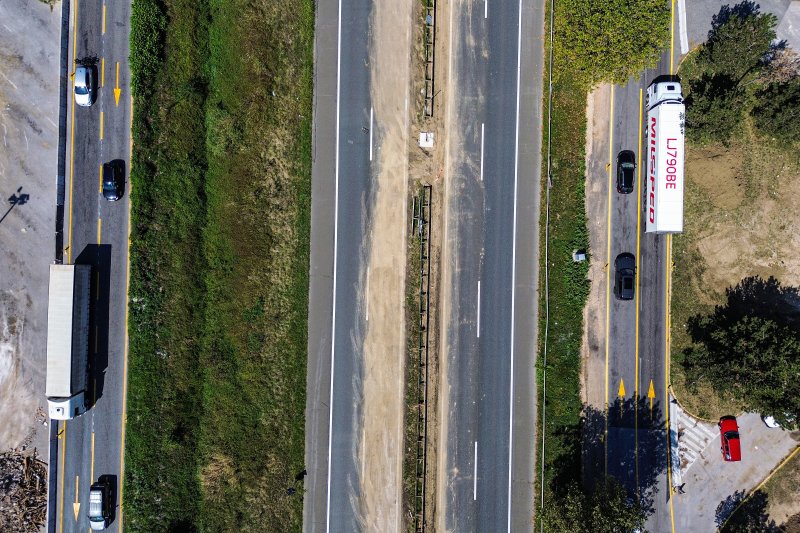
[
  {"x": 665, "y": 156},
  {"x": 68, "y": 341}
]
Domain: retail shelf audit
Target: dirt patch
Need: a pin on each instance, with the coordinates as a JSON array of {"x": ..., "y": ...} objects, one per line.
[
  {"x": 745, "y": 222},
  {"x": 381, "y": 447},
  {"x": 740, "y": 220},
  {"x": 28, "y": 156},
  {"x": 718, "y": 172},
  {"x": 593, "y": 390}
]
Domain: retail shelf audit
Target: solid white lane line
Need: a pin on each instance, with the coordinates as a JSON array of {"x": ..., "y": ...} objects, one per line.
[
  {"x": 682, "y": 24},
  {"x": 475, "y": 474},
  {"x": 370, "y": 133},
  {"x": 366, "y": 297},
  {"x": 514, "y": 269},
  {"x": 485, "y": 8},
  {"x": 481, "y": 151},
  {"x": 479, "y": 309},
  {"x": 335, "y": 255}
]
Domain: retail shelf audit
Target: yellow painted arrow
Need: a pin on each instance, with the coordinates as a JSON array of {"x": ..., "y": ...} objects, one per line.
[
  {"x": 621, "y": 392},
  {"x": 651, "y": 393},
  {"x": 76, "y": 507},
  {"x": 117, "y": 90}
]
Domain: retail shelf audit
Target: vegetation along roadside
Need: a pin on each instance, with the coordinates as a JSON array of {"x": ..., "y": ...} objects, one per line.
[
  {"x": 220, "y": 173},
  {"x": 594, "y": 43},
  {"x": 736, "y": 328}
]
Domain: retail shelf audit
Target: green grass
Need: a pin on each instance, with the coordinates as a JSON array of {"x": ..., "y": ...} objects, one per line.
[
  {"x": 568, "y": 288},
  {"x": 219, "y": 264}
]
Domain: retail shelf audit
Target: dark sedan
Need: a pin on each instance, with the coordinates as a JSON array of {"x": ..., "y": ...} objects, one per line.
[
  {"x": 113, "y": 180},
  {"x": 626, "y": 274}
]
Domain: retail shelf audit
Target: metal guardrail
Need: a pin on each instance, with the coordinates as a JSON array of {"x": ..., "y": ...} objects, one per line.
[
  {"x": 420, "y": 226},
  {"x": 428, "y": 41}
]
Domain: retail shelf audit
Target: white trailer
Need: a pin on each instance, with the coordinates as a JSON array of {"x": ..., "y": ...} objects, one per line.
[
  {"x": 665, "y": 157},
  {"x": 68, "y": 341}
]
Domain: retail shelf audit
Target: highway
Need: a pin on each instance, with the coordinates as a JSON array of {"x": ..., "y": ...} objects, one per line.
[
  {"x": 96, "y": 233},
  {"x": 489, "y": 266},
  {"x": 350, "y": 131}
]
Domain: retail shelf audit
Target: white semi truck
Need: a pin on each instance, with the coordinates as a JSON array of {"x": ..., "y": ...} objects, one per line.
[
  {"x": 68, "y": 341},
  {"x": 665, "y": 156}
]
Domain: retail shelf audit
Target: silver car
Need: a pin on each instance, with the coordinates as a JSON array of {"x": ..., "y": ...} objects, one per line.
[{"x": 85, "y": 85}]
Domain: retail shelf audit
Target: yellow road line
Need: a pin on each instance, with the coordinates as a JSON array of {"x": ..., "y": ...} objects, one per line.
[
  {"x": 99, "y": 230},
  {"x": 100, "y": 180},
  {"x": 102, "y": 71},
  {"x": 72, "y": 134},
  {"x": 608, "y": 268},
  {"x": 101, "y": 125},
  {"x": 63, "y": 446},
  {"x": 666, "y": 381},
  {"x": 97, "y": 285},
  {"x": 104, "y": 19},
  {"x": 638, "y": 260},
  {"x": 125, "y": 356},
  {"x": 672, "y": 38},
  {"x": 667, "y": 319},
  {"x": 63, "y": 450}
]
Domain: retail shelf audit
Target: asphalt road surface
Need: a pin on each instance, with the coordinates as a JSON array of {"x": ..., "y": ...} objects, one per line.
[
  {"x": 494, "y": 120},
  {"x": 341, "y": 192},
  {"x": 90, "y": 446},
  {"x": 636, "y": 446}
]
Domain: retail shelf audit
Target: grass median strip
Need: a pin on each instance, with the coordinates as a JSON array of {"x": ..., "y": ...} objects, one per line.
[{"x": 220, "y": 234}]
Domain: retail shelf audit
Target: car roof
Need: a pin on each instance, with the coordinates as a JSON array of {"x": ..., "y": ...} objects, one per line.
[
  {"x": 81, "y": 73},
  {"x": 735, "y": 448},
  {"x": 627, "y": 155}
]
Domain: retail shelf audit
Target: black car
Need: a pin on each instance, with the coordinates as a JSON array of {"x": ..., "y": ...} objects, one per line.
[
  {"x": 113, "y": 180},
  {"x": 626, "y": 170},
  {"x": 626, "y": 274}
]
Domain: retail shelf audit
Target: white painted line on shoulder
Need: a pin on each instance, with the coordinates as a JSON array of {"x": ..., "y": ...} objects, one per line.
[
  {"x": 514, "y": 271},
  {"x": 335, "y": 251}
]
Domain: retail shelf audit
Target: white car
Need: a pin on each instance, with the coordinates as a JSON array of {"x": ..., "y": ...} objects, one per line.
[
  {"x": 770, "y": 422},
  {"x": 85, "y": 83}
]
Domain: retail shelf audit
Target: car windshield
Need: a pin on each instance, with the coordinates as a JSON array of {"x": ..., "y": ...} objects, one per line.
[
  {"x": 81, "y": 89},
  {"x": 627, "y": 165},
  {"x": 732, "y": 435}
]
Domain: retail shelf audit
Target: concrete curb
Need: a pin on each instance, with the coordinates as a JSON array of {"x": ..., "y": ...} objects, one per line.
[{"x": 63, "y": 105}]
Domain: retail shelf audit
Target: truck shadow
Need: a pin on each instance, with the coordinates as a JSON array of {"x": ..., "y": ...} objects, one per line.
[{"x": 99, "y": 257}]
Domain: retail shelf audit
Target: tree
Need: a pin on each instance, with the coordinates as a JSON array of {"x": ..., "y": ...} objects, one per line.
[
  {"x": 713, "y": 108},
  {"x": 607, "y": 508},
  {"x": 777, "y": 112},
  {"x": 740, "y": 41},
  {"x": 609, "y": 41},
  {"x": 749, "y": 349}
]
